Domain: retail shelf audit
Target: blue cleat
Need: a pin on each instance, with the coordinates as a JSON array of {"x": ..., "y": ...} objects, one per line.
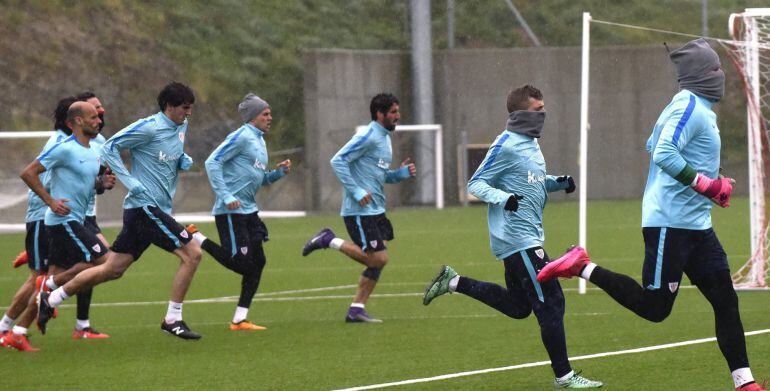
[
  {"x": 319, "y": 241},
  {"x": 358, "y": 315}
]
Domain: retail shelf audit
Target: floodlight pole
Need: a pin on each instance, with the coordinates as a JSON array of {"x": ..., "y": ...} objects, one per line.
[{"x": 584, "y": 137}]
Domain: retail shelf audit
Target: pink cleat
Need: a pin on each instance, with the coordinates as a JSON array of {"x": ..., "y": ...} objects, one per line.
[
  {"x": 753, "y": 387},
  {"x": 569, "y": 265}
]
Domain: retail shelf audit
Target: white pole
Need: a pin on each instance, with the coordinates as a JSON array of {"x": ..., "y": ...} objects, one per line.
[
  {"x": 756, "y": 191},
  {"x": 439, "y": 169},
  {"x": 584, "y": 137}
]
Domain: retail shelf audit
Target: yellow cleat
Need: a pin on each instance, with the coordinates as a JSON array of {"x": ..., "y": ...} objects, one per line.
[{"x": 246, "y": 325}]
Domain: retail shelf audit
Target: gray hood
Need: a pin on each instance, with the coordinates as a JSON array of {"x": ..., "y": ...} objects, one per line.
[{"x": 698, "y": 69}]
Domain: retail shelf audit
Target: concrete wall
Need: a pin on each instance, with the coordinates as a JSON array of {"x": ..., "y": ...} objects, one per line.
[{"x": 629, "y": 88}]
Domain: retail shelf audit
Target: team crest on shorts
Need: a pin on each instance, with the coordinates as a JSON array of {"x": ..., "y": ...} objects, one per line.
[
  {"x": 97, "y": 248},
  {"x": 673, "y": 286},
  {"x": 181, "y": 136},
  {"x": 184, "y": 232},
  {"x": 373, "y": 243},
  {"x": 540, "y": 253},
  {"x": 244, "y": 250}
]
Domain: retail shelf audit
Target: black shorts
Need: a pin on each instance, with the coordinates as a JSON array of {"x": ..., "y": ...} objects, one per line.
[
  {"x": 149, "y": 225},
  {"x": 36, "y": 244},
  {"x": 91, "y": 225},
  {"x": 71, "y": 242},
  {"x": 521, "y": 270},
  {"x": 669, "y": 252},
  {"x": 369, "y": 232},
  {"x": 241, "y": 233}
]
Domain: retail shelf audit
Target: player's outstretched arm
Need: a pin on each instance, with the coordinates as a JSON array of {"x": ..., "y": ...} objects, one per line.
[
  {"x": 556, "y": 183},
  {"x": 130, "y": 137},
  {"x": 482, "y": 183},
  {"x": 281, "y": 169}
]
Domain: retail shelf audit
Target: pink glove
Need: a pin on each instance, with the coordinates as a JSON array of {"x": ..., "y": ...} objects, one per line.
[{"x": 718, "y": 190}]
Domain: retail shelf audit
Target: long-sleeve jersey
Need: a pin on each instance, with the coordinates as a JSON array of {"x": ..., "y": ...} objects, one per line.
[
  {"x": 514, "y": 164},
  {"x": 685, "y": 133},
  {"x": 96, "y": 143},
  {"x": 73, "y": 169},
  {"x": 35, "y": 206},
  {"x": 363, "y": 166},
  {"x": 237, "y": 168},
  {"x": 157, "y": 145}
]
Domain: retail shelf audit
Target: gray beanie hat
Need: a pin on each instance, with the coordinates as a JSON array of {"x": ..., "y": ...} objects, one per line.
[{"x": 251, "y": 106}]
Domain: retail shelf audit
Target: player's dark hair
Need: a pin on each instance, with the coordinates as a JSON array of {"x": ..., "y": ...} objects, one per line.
[
  {"x": 86, "y": 95},
  {"x": 60, "y": 114},
  {"x": 382, "y": 103},
  {"x": 518, "y": 98},
  {"x": 175, "y": 94}
]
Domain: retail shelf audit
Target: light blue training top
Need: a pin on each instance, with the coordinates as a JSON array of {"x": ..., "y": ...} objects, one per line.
[
  {"x": 73, "y": 168},
  {"x": 35, "y": 206},
  {"x": 157, "y": 153},
  {"x": 237, "y": 168},
  {"x": 363, "y": 165},
  {"x": 686, "y": 133},
  {"x": 514, "y": 164}
]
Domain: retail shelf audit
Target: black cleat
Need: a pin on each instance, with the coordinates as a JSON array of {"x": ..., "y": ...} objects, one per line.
[
  {"x": 179, "y": 329},
  {"x": 44, "y": 310}
]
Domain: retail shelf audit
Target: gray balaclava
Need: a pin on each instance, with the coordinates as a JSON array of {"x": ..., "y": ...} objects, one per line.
[
  {"x": 251, "y": 106},
  {"x": 528, "y": 123},
  {"x": 698, "y": 69}
]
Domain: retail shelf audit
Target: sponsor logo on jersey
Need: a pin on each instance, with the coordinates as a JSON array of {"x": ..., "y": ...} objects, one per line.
[
  {"x": 533, "y": 178},
  {"x": 244, "y": 250},
  {"x": 259, "y": 165},
  {"x": 181, "y": 136},
  {"x": 163, "y": 157},
  {"x": 673, "y": 286},
  {"x": 383, "y": 164},
  {"x": 540, "y": 253}
]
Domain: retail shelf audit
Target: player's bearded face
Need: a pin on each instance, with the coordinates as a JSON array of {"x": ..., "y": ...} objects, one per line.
[{"x": 391, "y": 118}]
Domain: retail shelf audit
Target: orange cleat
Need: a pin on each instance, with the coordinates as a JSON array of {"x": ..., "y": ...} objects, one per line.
[
  {"x": 4, "y": 339},
  {"x": 246, "y": 325},
  {"x": 19, "y": 342},
  {"x": 88, "y": 333},
  {"x": 40, "y": 284},
  {"x": 191, "y": 229},
  {"x": 21, "y": 259}
]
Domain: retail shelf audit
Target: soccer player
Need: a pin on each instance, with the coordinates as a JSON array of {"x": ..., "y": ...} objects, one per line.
[
  {"x": 512, "y": 180},
  {"x": 237, "y": 168},
  {"x": 73, "y": 167},
  {"x": 363, "y": 166},
  {"x": 682, "y": 184},
  {"x": 104, "y": 181},
  {"x": 36, "y": 245},
  {"x": 156, "y": 144}
]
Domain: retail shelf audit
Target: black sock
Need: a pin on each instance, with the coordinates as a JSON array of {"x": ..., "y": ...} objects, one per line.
[{"x": 84, "y": 303}]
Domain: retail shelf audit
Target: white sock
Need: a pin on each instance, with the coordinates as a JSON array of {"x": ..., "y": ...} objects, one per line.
[
  {"x": 199, "y": 238},
  {"x": 586, "y": 273},
  {"x": 742, "y": 376},
  {"x": 82, "y": 324},
  {"x": 18, "y": 330},
  {"x": 240, "y": 314},
  {"x": 453, "y": 283},
  {"x": 49, "y": 282},
  {"x": 6, "y": 323},
  {"x": 567, "y": 376},
  {"x": 57, "y": 297},
  {"x": 336, "y": 243},
  {"x": 174, "y": 312},
  {"x": 357, "y": 305}
]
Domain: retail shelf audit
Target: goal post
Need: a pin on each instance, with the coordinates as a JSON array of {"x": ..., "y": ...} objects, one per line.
[
  {"x": 750, "y": 53},
  {"x": 438, "y": 163}
]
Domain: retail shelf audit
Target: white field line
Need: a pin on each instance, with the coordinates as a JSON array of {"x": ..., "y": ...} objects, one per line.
[{"x": 542, "y": 363}]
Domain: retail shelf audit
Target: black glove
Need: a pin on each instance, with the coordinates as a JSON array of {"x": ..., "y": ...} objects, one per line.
[
  {"x": 570, "y": 183},
  {"x": 513, "y": 203}
]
